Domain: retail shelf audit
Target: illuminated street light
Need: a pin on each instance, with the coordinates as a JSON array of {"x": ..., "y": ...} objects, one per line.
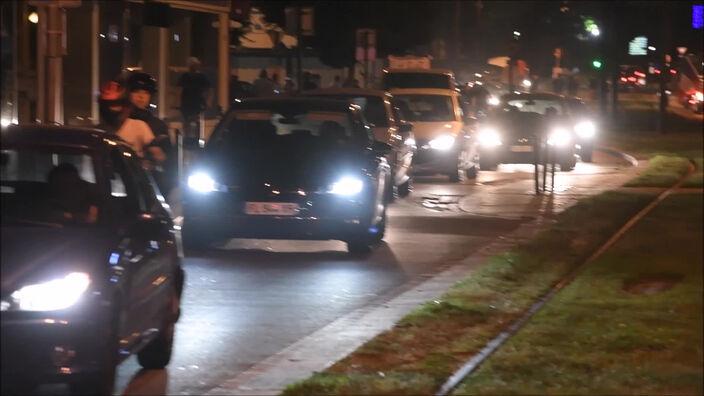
[
  {"x": 596, "y": 63},
  {"x": 527, "y": 83},
  {"x": 33, "y": 17},
  {"x": 595, "y": 32},
  {"x": 517, "y": 33},
  {"x": 651, "y": 48}
]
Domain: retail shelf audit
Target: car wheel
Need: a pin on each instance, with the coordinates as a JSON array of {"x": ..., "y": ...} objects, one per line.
[
  {"x": 359, "y": 246},
  {"x": 102, "y": 382},
  {"x": 380, "y": 229},
  {"x": 567, "y": 165},
  {"x": 405, "y": 189},
  {"x": 471, "y": 172},
  {"x": 487, "y": 165},
  {"x": 157, "y": 354},
  {"x": 195, "y": 239}
]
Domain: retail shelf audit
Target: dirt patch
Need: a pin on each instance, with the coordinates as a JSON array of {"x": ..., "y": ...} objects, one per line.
[{"x": 651, "y": 283}]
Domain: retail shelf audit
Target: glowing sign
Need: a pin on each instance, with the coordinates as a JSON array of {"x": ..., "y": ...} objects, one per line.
[
  {"x": 638, "y": 46},
  {"x": 697, "y": 16}
]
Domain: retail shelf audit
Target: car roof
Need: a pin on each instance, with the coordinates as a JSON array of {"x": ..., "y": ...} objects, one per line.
[
  {"x": 426, "y": 71},
  {"x": 423, "y": 91},
  {"x": 315, "y": 103},
  {"x": 535, "y": 95},
  {"x": 348, "y": 91},
  {"x": 60, "y": 136}
]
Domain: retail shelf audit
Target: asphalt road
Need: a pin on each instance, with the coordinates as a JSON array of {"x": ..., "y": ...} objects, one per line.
[{"x": 249, "y": 299}]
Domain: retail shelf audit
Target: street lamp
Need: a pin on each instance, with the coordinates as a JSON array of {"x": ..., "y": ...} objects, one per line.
[
  {"x": 33, "y": 17},
  {"x": 595, "y": 32}
]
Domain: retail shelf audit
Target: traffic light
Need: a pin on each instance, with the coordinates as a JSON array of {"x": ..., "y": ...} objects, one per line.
[{"x": 596, "y": 63}]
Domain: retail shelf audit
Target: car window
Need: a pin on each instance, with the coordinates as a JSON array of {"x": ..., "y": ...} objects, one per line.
[
  {"x": 298, "y": 129},
  {"x": 145, "y": 186},
  {"x": 52, "y": 186},
  {"x": 123, "y": 190},
  {"x": 427, "y": 107},
  {"x": 372, "y": 106}
]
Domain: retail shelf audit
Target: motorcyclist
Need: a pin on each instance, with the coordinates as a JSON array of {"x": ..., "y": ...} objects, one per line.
[
  {"x": 114, "y": 118},
  {"x": 141, "y": 87}
]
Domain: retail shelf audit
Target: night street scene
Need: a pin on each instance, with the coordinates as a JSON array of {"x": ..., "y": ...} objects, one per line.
[{"x": 438, "y": 197}]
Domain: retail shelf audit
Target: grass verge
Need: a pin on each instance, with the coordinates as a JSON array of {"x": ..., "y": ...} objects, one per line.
[
  {"x": 421, "y": 351},
  {"x": 662, "y": 171},
  {"x": 631, "y": 323}
]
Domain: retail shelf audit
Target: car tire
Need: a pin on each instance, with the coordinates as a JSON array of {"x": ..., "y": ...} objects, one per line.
[
  {"x": 487, "y": 165},
  {"x": 359, "y": 246},
  {"x": 381, "y": 230},
  {"x": 471, "y": 172},
  {"x": 404, "y": 189},
  {"x": 157, "y": 354},
  {"x": 566, "y": 166},
  {"x": 195, "y": 239},
  {"x": 102, "y": 382}
]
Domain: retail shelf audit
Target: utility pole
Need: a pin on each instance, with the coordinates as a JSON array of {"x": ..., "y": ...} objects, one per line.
[
  {"x": 664, "y": 70},
  {"x": 299, "y": 48}
]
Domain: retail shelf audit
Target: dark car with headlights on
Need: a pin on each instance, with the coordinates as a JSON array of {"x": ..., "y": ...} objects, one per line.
[
  {"x": 91, "y": 261},
  {"x": 289, "y": 168},
  {"x": 511, "y": 133}
]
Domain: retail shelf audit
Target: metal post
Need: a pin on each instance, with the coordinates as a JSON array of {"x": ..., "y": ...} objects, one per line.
[
  {"x": 54, "y": 68},
  {"x": 41, "y": 69},
  {"x": 223, "y": 61},
  {"x": 95, "y": 62},
  {"x": 299, "y": 49},
  {"x": 15, "y": 60},
  {"x": 179, "y": 149},
  {"x": 163, "y": 72}
]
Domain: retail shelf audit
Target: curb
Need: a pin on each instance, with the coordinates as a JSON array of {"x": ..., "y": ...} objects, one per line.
[{"x": 624, "y": 156}]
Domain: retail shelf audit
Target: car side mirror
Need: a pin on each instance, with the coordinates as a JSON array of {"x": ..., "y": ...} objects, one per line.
[{"x": 381, "y": 148}]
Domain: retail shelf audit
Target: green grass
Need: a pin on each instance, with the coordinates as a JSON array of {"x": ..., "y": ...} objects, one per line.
[
  {"x": 662, "y": 171},
  {"x": 596, "y": 338},
  {"x": 647, "y": 144},
  {"x": 421, "y": 351},
  {"x": 697, "y": 178}
]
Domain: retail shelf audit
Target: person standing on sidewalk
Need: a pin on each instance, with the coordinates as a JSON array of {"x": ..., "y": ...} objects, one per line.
[
  {"x": 195, "y": 97},
  {"x": 141, "y": 88}
]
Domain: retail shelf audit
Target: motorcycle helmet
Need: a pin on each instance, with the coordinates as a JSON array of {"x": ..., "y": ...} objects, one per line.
[{"x": 141, "y": 81}]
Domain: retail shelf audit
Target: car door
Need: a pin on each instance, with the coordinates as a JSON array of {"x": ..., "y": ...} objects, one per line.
[
  {"x": 154, "y": 273},
  {"x": 406, "y": 145}
]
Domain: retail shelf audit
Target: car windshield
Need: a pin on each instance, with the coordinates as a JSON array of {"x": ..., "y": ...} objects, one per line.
[
  {"x": 537, "y": 106},
  {"x": 577, "y": 107},
  {"x": 297, "y": 129},
  {"x": 372, "y": 107},
  {"x": 427, "y": 107},
  {"x": 417, "y": 80},
  {"x": 48, "y": 187}
]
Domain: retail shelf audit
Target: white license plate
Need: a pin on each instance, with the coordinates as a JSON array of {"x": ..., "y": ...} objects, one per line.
[
  {"x": 522, "y": 149},
  {"x": 271, "y": 208}
]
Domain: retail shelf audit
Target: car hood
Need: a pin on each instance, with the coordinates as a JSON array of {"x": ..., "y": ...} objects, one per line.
[
  {"x": 431, "y": 130},
  {"x": 34, "y": 254},
  {"x": 283, "y": 169},
  {"x": 520, "y": 125}
]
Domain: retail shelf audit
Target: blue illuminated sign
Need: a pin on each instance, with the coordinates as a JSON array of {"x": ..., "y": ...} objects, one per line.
[{"x": 697, "y": 16}]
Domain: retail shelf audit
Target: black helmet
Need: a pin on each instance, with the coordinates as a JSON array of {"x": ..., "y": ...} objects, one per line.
[{"x": 139, "y": 80}]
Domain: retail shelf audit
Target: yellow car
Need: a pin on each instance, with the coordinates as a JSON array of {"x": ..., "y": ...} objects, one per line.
[{"x": 444, "y": 143}]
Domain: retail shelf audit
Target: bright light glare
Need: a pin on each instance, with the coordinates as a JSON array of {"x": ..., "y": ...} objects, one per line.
[
  {"x": 517, "y": 33},
  {"x": 650, "y": 47},
  {"x": 595, "y": 32},
  {"x": 442, "y": 142},
  {"x": 5, "y": 122},
  {"x": 527, "y": 83},
  {"x": 33, "y": 17},
  {"x": 201, "y": 182},
  {"x": 489, "y": 138},
  {"x": 698, "y": 95},
  {"x": 409, "y": 142},
  {"x": 346, "y": 186},
  {"x": 559, "y": 137},
  {"x": 53, "y": 295},
  {"x": 493, "y": 100},
  {"x": 585, "y": 129}
]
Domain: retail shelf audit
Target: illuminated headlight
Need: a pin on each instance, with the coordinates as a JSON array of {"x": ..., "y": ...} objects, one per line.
[
  {"x": 489, "y": 138},
  {"x": 203, "y": 183},
  {"x": 50, "y": 296},
  {"x": 442, "y": 142},
  {"x": 559, "y": 137},
  {"x": 585, "y": 129},
  {"x": 346, "y": 186},
  {"x": 527, "y": 83},
  {"x": 698, "y": 96},
  {"x": 493, "y": 100},
  {"x": 409, "y": 141}
]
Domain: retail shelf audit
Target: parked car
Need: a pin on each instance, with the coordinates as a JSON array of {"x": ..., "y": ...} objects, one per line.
[
  {"x": 585, "y": 127},
  {"x": 290, "y": 168},
  {"x": 418, "y": 78},
  {"x": 388, "y": 126},
  {"x": 444, "y": 142},
  {"x": 91, "y": 260},
  {"x": 511, "y": 133}
]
